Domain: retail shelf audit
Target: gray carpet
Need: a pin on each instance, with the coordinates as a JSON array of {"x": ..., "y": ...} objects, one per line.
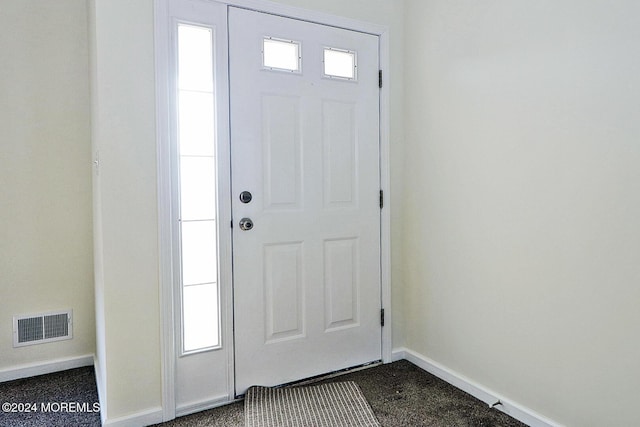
[
  {"x": 400, "y": 394},
  {"x": 47, "y": 396}
]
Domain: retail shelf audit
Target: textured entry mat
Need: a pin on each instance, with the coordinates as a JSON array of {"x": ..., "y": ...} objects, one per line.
[{"x": 327, "y": 405}]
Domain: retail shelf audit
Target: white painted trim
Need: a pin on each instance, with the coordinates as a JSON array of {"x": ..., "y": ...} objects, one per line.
[
  {"x": 167, "y": 338},
  {"x": 203, "y": 405},
  {"x": 385, "y": 185},
  {"x": 141, "y": 418},
  {"x": 225, "y": 235},
  {"x": 167, "y": 14},
  {"x": 509, "y": 407},
  {"x": 398, "y": 354},
  {"x": 45, "y": 367},
  {"x": 101, "y": 385},
  {"x": 307, "y": 15}
]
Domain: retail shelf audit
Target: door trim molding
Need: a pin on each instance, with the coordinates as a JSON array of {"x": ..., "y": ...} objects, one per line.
[
  {"x": 162, "y": 43},
  {"x": 165, "y": 255},
  {"x": 309, "y": 15},
  {"x": 385, "y": 185}
]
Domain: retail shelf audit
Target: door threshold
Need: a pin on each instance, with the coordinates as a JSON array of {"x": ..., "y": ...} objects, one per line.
[
  {"x": 333, "y": 374},
  {"x": 322, "y": 377}
]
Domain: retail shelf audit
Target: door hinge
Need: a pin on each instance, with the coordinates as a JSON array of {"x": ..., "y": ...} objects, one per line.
[
  {"x": 382, "y": 317},
  {"x": 379, "y": 78},
  {"x": 231, "y": 223},
  {"x": 381, "y": 199}
]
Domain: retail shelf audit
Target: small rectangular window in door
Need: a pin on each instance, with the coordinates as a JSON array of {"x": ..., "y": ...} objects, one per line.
[
  {"x": 339, "y": 63},
  {"x": 281, "y": 55},
  {"x": 199, "y": 296}
]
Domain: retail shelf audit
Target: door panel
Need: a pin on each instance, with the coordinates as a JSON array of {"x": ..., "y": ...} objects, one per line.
[
  {"x": 339, "y": 155},
  {"x": 341, "y": 283},
  {"x": 283, "y": 291},
  {"x": 281, "y": 151},
  {"x": 307, "y": 275}
]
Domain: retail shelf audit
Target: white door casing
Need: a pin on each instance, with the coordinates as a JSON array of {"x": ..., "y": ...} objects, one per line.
[
  {"x": 176, "y": 399},
  {"x": 200, "y": 380},
  {"x": 307, "y": 277}
]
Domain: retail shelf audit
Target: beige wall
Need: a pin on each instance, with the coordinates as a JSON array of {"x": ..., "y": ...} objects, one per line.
[
  {"x": 45, "y": 174},
  {"x": 125, "y": 205},
  {"x": 522, "y": 141},
  {"x": 515, "y": 209}
]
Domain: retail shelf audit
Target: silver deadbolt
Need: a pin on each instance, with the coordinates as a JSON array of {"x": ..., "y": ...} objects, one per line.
[
  {"x": 246, "y": 224},
  {"x": 245, "y": 197}
]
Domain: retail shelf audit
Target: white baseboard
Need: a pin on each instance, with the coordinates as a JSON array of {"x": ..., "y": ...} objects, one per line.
[
  {"x": 47, "y": 367},
  {"x": 398, "y": 354},
  {"x": 513, "y": 409},
  {"x": 155, "y": 415},
  {"x": 142, "y": 418}
]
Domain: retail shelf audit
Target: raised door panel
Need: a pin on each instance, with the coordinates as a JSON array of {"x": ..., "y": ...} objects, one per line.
[
  {"x": 341, "y": 282},
  {"x": 282, "y": 152},
  {"x": 283, "y": 291},
  {"x": 339, "y": 154}
]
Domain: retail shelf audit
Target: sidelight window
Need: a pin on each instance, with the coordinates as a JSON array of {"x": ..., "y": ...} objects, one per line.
[{"x": 199, "y": 292}]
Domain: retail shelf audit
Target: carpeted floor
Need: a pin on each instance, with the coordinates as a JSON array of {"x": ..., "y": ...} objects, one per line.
[
  {"x": 67, "y": 398},
  {"x": 400, "y": 394}
]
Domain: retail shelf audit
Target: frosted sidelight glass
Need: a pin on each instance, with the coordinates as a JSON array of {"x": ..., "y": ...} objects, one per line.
[
  {"x": 196, "y": 138},
  {"x": 199, "y": 258},
  {"x": 195, "y": 62},
  {"x": 197, "y": 188},
  {"x": 195, "y": 123},
  {"x": 200, "y": 316}
]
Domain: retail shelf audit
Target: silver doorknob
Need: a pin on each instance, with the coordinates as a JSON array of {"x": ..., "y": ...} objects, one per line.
[{"x": 246, "y": 224}]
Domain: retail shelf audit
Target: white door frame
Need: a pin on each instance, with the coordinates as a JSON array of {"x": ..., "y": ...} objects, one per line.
[{"x": 162, "y": 21}]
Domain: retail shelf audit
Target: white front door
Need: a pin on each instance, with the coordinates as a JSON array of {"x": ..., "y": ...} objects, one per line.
[{"x": 305, "y": 144}]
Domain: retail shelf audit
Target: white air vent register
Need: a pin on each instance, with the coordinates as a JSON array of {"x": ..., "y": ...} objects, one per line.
[{"x": 41, "y": 328}]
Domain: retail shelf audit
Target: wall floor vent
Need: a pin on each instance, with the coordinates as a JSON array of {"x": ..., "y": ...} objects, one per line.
[{"x": 41, "y": 328}]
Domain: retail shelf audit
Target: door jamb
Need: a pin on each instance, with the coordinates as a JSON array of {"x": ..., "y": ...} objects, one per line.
[
  {"x": 162, "y": 43},
  {"x": 166, "y": 303}
]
